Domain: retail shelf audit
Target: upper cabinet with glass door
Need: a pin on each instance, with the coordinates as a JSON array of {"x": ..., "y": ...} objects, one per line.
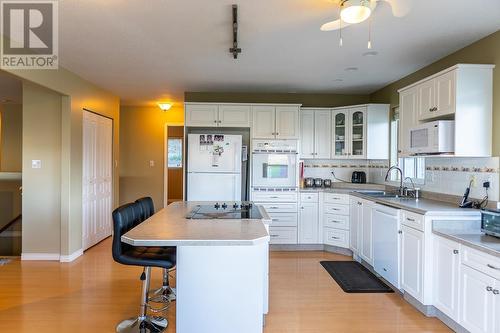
[{"x": 361, "y": 132}]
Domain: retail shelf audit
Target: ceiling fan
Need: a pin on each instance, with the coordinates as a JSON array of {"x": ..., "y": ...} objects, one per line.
[{"x": 357, "y": 11}]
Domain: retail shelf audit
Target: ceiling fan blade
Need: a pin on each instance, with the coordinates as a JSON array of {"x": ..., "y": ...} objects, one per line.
[
  {"x": 400, "y": 8},
  {"x": 333, "y": 25}
]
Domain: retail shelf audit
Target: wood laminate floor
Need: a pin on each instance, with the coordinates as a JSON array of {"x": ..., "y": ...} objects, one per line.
[{"x": 94, "y": 293}]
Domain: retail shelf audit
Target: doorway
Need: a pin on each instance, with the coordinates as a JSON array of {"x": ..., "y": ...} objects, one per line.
[
  {"x": 174, "y": 163},
  {"x": 97, "y": 182}
]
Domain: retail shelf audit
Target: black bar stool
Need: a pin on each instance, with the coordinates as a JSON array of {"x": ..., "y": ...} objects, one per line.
[
  {"x": 125, "y": 218},
  {"x": 165, "y": 294}
]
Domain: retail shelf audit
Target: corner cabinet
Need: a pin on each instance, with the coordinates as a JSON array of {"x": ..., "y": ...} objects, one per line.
[
  {"x": 360, "y": 132},
  {"x": 450, "y": 94},
  {"x": 275, "y": 122}
]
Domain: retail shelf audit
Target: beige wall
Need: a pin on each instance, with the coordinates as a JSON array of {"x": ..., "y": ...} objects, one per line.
[
  {"x": 77, "y": 94},
  {"x": 484, "y": 51},
  {"x": 41, "y": 187},
  {"x": 307, "y": 100},
  {"x": 11, "y": 125},
  {"x": 142, "y": 140}
]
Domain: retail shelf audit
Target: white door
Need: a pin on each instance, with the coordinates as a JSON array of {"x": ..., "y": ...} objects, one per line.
[
  {"x": 445, "y": 94},
  {"x": 366, "y": 234},
  {"x": 356, "y": 214},
  {"x": 446, "y": 275},
  {"x": 264, "y": 122},
  {"x": 287, "y": 122},
  {"x": 214, "y": 153},
  {"x": 407, "y": 118},
  {"x": 234, "y": 116},
  {"x": 340, "y": 146},
  {"x": 202, "y": 115},
  {"x": 308, "y": 223},
  {"x": 477, "y": 301},
  {"x": 412, "y": 244},
  {"x": 97, "y": 180},
  {"x": 426, "y": 99},
  {"x": 322, "y": 133},
  {"x": 357, "y": 132},
  {"x": 307, "y": 134}
]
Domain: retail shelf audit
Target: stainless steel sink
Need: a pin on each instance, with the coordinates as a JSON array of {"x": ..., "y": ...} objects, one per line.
[{"x": 384, "y": 194}]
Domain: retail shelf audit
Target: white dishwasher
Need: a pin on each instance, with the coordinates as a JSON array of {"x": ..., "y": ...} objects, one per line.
[{"x": 386, "y": 243}]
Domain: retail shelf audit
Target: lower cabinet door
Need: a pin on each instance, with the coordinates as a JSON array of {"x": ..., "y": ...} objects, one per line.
[
  {"x": 412, "y": 245},
  {"x": 283, "y": 235},
  {"x": 366, "y": 235},
  {"x": 308, "y": 223},
  {"x": 336, "y": 237},
  {"x": 477, "y": 313},
  {"x": 446, "y": 276}
]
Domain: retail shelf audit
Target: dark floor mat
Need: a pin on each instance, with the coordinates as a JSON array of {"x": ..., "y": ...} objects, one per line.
[{"x": 353, "y": 277}]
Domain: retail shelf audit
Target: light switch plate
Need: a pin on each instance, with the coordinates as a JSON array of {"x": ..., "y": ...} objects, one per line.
[
  {"x": 151, "y": 163},
  {"x": 36, "y": 164}
]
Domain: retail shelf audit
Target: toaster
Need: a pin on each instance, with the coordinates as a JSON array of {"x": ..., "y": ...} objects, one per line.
[{"x": 358, "y": 177}]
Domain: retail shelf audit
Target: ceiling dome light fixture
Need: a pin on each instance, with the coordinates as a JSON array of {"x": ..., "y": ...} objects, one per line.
[
  {"x": 164, "y": 106},
  {"x": 355, "y": 11}
]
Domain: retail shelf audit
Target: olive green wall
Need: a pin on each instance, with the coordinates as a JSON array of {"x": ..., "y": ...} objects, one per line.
[
  {"x": 307, "y": 100},
  {"x": 142, "y": 140},
  {"x": 11, "y": 126},
  {"x": 484, "y": 51}
]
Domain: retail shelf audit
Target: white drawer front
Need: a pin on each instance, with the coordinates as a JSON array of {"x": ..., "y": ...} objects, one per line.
[
  {"x": 309, "y": 197},
  {"x": 336, "y": 237},
  {"x": 337, "y": 198},
  {"x": 283, "y": 235},
  {"x": 279, "y": 207},
  {"x": 274, "y": 197},
  {"x": 336, "y": 221},
  {"x": 336, "y": 209},
  {"x": 283, "y": 219},
  {"x": 413, "y": 220},
  {"x": 481, "y": 261}
]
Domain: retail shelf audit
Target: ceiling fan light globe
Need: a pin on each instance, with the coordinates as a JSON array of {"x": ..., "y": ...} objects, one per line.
[{"x": 355, "y": 11}]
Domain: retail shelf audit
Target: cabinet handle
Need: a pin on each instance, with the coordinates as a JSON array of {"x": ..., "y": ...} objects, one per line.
[
  {"x": 496, "y": 292},
  {"x": 493, "y": 267},
  {"x": 334, "y": 209},
  {"x": 359, "y": 203},
  {"x": 301, "y": 207},
  {"x": 273, "y": 197},
  {"x": 273, "y": 207},
  {"x": 455, "y": 251},
  {"x": 215, "y": 121},
  {"x": 335, "y": 237},
  {"x": 410, "y": 219},
  {"x": 277, "y": 133},
  {"x": 400, "y": 232},
  {"x": 489, "y": 288},
  {"x": 274, "y": 236}
]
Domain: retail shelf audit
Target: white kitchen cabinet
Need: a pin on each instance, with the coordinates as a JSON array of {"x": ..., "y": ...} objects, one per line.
[
  {"x": 449, "y": 94},
  {"x": 275, "y": 122},
  {"x": 315, "y": 133},
  {"x": 408, "y": 101},
  {"x": 309, "y": 219},
  {"x": 202, "y": 115},
  {"x": 412, "y": 262},
  {"x": 360, "y": 132},
  {"x": 356, "y": 218},
  {"x": 366, "y": 228},
  {"x": 446, "y": 271},
  {"x": 234, "y": 115},
  {"x": 477, "y": 303}
]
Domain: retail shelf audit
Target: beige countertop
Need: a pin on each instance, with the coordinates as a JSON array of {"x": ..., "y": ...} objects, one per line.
[
  {"x": 169, "y": 227},
  {"x": 339, "y": 187}
]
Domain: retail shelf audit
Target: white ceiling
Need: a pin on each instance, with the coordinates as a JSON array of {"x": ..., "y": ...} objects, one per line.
[{"x": 145, "y": 51}]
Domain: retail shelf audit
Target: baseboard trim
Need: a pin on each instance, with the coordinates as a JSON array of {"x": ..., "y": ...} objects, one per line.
[
  {"x": 310, "y": 247},
  {"x": 72, "y": 256},
  {"x": 40, "y": 256}
]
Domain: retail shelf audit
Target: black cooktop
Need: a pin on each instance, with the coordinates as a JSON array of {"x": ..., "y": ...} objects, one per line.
[{"x": 237, "y": 210}]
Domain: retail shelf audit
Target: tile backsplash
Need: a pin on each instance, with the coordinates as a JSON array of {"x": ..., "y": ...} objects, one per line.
[{"x": 448, "y": 175}]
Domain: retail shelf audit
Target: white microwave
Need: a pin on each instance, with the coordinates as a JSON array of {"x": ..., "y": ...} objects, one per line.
[{"x": 436, "y": 137}]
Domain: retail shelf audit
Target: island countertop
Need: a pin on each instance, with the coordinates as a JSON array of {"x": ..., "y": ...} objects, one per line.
[{"x": 170, "y": 227}]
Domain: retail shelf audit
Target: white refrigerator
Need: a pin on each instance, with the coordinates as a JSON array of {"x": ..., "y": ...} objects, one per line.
[{"x": 214, "y": 167}]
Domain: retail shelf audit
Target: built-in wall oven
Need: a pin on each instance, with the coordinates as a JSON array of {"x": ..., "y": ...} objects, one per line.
[{"x": 274, "y": 163}]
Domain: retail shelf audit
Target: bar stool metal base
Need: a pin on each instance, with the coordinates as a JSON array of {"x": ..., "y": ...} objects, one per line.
[{"x": 142, "y": 325}]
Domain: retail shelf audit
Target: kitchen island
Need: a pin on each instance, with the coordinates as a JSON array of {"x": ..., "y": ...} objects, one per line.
[{"x": 222, "y": 267}]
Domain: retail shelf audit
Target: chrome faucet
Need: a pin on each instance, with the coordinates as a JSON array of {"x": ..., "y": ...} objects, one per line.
[{"x": 395, "y": 167}]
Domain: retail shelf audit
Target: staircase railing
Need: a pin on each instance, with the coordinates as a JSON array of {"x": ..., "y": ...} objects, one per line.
[{"x": 8, "y": 225}]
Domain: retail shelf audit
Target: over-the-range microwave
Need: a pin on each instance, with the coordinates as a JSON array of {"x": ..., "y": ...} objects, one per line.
[{"x": 436, "y": 137}]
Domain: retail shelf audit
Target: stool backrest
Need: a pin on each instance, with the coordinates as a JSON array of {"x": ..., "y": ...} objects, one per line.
[
  {"x": 148, "y": 208},
  {"x": 125, "y": 218}
]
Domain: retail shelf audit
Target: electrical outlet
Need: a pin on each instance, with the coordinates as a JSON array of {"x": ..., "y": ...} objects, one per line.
[
  {"x": 36, "y": 164},
  {"x": 473, "y": 180}
]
